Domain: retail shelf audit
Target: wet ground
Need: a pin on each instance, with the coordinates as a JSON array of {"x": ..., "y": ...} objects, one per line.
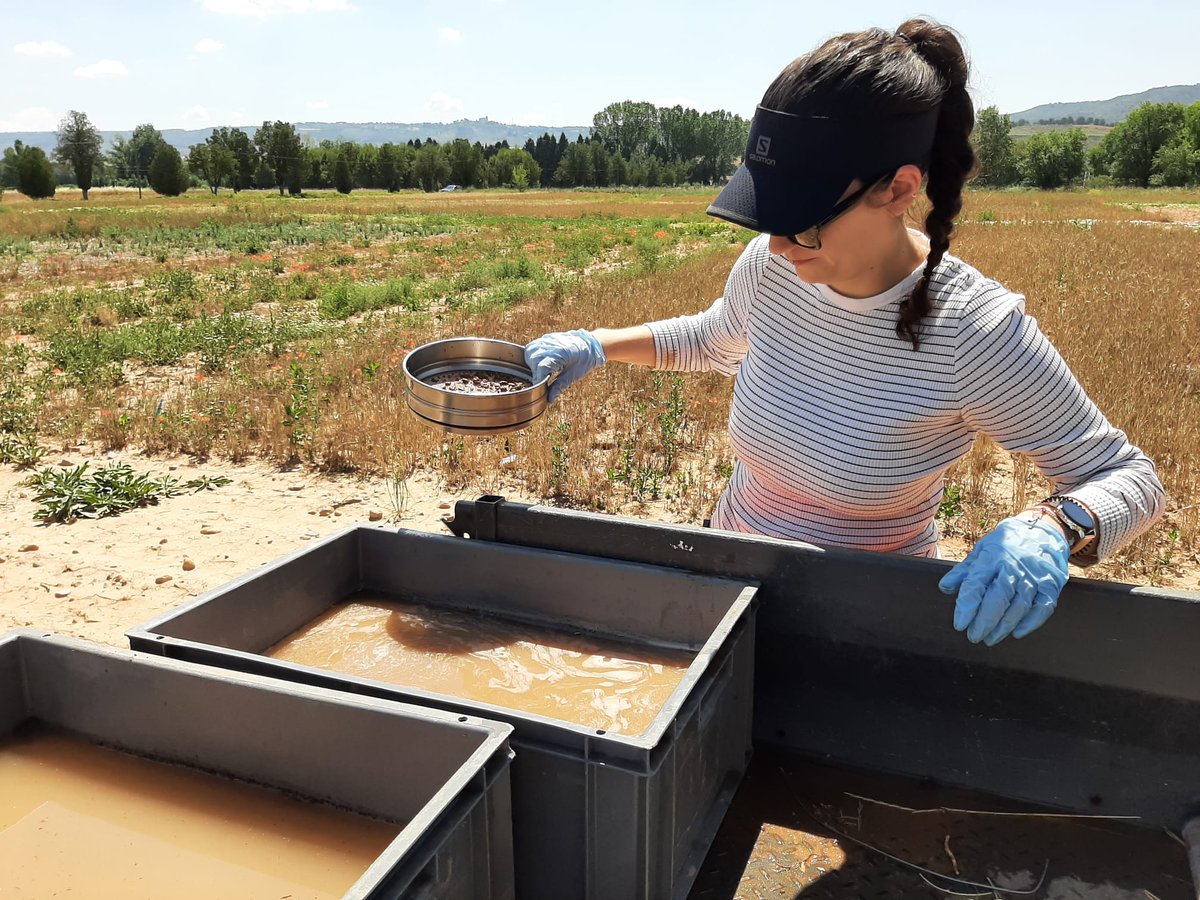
[{"x": 795, "y": 830}]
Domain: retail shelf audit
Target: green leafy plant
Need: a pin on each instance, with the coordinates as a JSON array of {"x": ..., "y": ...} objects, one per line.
[
  {"x": 64, "y": 495},
  {"x": 300, "y": 412},
  {"x": 346, "y": 298},
  {"x": 643, "y": 465},
  {"x": 1166, "y": 557},
  {"x": 671, "y": 425},
  {"x": 21, "y": 395},
  {"x": 636, "y": 468},
  {"x": 206, "y": 483},
  {"x": 23, "y": 452},
  {"x": 951, "y": 504}
]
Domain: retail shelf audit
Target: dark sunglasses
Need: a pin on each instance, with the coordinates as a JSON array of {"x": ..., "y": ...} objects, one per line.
[{"x": 810, "y": 238}]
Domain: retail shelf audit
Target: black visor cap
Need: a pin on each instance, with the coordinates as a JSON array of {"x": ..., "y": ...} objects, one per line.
[{"x": 797, "y": 167}]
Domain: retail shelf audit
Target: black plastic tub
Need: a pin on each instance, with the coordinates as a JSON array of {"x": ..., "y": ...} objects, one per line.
[
  {"x": 446, "y": 776},
  {"x": 857, "y": 665},
  {"x": 595, "y": 815}
]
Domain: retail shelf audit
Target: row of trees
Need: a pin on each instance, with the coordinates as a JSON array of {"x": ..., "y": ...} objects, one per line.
[
  {"x": 1158, "y": 144},
  {"x": 1066, "y": 120},
  {"x": 78, "y": 150},
  {"x": 635, "y": 144},
  {"x": 643, "y": 144},
  {"x": 631, "y": 143}
]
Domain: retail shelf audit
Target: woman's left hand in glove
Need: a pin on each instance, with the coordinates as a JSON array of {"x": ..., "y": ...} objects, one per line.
[{"x": 1010, "y": 581}]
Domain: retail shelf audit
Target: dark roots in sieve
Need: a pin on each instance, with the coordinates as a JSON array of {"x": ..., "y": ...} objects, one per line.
[{"x": 466, "y": 381}]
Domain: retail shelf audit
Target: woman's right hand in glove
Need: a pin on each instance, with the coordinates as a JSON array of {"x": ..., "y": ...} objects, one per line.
[{"x": 572, "y": 354}]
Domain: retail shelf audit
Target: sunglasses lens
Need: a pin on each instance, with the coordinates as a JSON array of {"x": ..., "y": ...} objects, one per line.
[{"x": 808, "y": 239}]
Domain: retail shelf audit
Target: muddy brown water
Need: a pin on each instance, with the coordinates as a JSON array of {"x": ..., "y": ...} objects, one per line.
[
  {"x": 470, "y": 381},
  {"x": 606, "y": 684},
  {"x": 780, "y": 841},
  {"x": 81, "y": 820}
]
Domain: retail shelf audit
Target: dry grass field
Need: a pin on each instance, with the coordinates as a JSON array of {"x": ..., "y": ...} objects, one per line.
[{"x": 257, "y": 327}]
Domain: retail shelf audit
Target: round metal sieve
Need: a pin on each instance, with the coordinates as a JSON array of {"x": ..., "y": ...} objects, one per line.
[{"x": 472, "y": 413}]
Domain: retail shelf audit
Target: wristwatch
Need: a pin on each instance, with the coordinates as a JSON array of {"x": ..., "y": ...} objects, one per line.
[{"x": 1074, "y": 517}]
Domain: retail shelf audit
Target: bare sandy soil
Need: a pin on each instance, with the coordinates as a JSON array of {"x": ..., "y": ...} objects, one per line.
[{"x": 96, "y": 578}]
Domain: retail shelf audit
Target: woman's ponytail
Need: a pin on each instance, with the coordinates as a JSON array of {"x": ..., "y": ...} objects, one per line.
[
  {"x": 919, "y": 67},
  {"x": 951, "y": 161}
]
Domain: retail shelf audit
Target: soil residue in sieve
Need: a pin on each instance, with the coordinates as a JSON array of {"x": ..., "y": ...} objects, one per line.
[{"x": 470, "y": 381}]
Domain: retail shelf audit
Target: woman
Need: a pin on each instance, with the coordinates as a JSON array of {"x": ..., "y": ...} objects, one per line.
[{"x": 867, "y": 357}]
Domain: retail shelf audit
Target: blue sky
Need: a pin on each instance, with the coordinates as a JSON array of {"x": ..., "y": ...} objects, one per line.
[{"x": 198, "y": 63}]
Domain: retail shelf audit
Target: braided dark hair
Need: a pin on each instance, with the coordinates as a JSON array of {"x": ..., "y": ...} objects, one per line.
[{"x": 919, "y": 67}]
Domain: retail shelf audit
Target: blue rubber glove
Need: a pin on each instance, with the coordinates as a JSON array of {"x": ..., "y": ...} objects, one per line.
[
  {"x": 1010, "y": 581},
  {"x": 572, "y": 354}
]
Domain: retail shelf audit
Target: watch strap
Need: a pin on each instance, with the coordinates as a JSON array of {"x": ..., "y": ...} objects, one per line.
[{"x": 1084, "y": 536}]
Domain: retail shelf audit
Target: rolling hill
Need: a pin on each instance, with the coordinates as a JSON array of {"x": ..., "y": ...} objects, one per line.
[
  {"x": 483, "y": 130},
  {"x": 1114, "y": 109}
]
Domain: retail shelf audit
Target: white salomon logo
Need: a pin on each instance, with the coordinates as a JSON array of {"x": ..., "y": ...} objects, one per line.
[{"x": 764, "y": 146}]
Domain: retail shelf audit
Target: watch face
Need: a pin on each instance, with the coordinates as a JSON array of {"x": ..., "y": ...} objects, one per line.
[{"x": 1078, "y": 515}]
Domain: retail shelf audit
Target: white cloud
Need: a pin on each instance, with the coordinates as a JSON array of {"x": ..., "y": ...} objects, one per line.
[
  {"x": 41, "y": 49},
  {"x": 443, "y": 103},
  {"x": 317, "y": 104},
  {"x": 106, "y": 68},
  {"x": 208, "y": 45},
  {"x": 196, "y": 116},
  {"x": 32, "y": 118},
  {"x": 262, "y": 9},
  {"x": 533, "y": 118},
  {"x": 449, "y": 34}
]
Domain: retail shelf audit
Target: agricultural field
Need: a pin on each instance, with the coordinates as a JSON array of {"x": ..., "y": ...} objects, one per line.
[
  {"x": 1094, "y": 133},
  {"x": 268, "y": 333}
]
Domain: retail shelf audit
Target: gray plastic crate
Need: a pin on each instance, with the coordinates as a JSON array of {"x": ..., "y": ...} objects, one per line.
[
  {"x": 595, "y": 815},
  {"x": 446, "y": 776}
]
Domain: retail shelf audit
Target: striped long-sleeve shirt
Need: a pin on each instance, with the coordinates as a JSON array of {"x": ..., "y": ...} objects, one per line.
[{"x": 843, "y": 433}]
